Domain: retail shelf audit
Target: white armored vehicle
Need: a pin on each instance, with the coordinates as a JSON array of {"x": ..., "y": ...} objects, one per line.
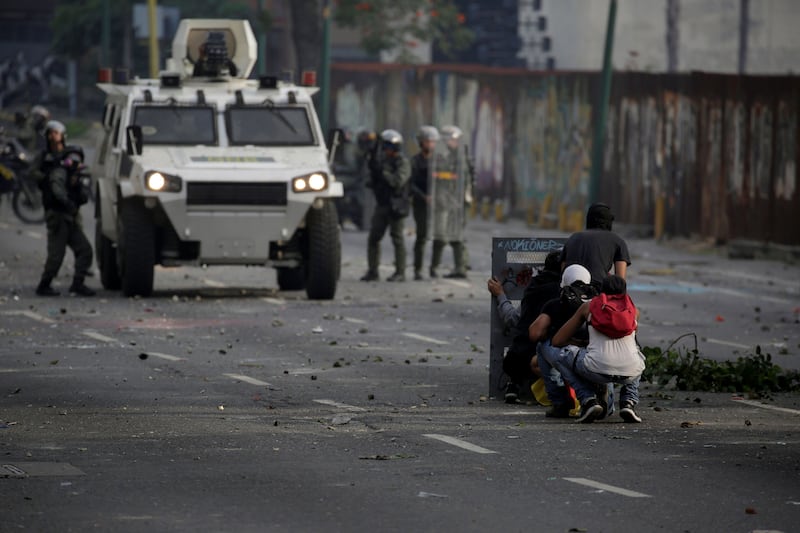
[{"x": 204, "y": 166}]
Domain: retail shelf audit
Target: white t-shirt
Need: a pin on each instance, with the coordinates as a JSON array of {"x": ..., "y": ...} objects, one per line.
[{"x": 613, "y": 357}]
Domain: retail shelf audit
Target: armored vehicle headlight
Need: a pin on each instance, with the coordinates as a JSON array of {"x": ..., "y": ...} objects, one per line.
[
  {"x": 315, "y": 182},
  {"x": 160, "y": 182}
]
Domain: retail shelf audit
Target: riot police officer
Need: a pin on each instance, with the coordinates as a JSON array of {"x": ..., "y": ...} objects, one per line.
[
  {"x": 451, "y": 184},
  {"x": 427, "y": 137},
  {"x": 32, "y": 129},
  {"x": 389, "y": 174},
  {"x": 59, "y": 167}
]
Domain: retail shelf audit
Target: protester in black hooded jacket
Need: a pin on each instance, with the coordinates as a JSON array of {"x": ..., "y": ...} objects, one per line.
[{"x": 519, "y": 363}]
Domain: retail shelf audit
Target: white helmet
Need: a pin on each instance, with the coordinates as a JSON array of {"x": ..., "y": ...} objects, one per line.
[
  {"x": 392, "y": 139},
  {"x": 55, "y": 125},
  {"x": 451, "y": 133},
  {"x": 41, "y": 111},
  {"x": 575, "y": 273},
  {"x": 427, "y": 133}
]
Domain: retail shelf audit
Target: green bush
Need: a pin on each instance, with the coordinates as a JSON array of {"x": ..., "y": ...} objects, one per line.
[{"x": 754, "y": 374}]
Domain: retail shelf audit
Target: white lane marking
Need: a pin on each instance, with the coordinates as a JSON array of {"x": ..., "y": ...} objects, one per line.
[
  {"x": 728, "y": 343},
  {"x": 458, "y": 283},
  {"x": 354, "y": 320},
  {"x": 424, "y": 338},
  {"x": 458, "y": 442},
  {"x": 247, "y": 379},
  {"x": 609, "y": 488},
  {"x": 340, "y": 405},
  {"x": 31, "y": 314},
  {"x": 98, "y": 336},
  {"x": 166, "y": 356},
  {"x": 212, "y": 283},
  {"x": 773, "y": 407},
  {"x": 34, "y": 234},
  {"x": 273, "y": 301}
]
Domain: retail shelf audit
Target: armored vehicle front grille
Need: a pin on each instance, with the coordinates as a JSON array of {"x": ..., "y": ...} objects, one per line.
[{"x": 236, "y": 194}]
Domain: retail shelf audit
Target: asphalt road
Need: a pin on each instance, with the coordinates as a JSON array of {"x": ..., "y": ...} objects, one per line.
[{"x": 220, "y": 404}]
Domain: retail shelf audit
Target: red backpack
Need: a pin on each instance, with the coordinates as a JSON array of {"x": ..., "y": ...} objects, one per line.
[{"x": 613, "y": 315}]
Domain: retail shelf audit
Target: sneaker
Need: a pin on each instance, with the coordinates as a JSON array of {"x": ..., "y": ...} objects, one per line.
[
  {"x": 370, "y": 276},
  {"x": 397, "y": 276},
  {"x": 558, "y": 411},
  {"x": 81, "y": 290},
  {"x": 418, "y": 275},
  {"x": 46, "y": 290},
  {"x": 628, "y": 414},
  {"x": 512, "y": 393},
  {"x": 456, "y": 275},
  {"x": 432, "y": 273},
  {"x": 589, "y": 412}
]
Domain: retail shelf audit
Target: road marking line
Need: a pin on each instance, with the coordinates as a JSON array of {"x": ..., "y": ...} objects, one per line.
[
  {"x": 424, "y": 338},
  {"x": 728, "y": 343},
  {"x": 765, "y": 406},
  {"x": 30, "y": 314},
  {"x": 98, "y": 336},
  {"x": 212, "y": 283},
  {"x": 34, "y": 234},
  {"x": 609, "y": 488},
  {"x": 458, "y": 442},
  {"x": 457, "y": 283},
  {"x": 354, "y": 320},
  {"x": 273, "y": 301},
  {"x": 340, "y": 405},
  {"x": 247, "y": 379},
  {"x": 166, "y": 356}
]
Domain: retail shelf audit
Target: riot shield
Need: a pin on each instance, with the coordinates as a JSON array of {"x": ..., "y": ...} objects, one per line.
[{"x": 448, "y": 171}]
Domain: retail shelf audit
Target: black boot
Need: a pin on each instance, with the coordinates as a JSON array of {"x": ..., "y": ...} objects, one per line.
[
  {"x": 44, "y": 289},
  {"x": 80, "y": 289}
]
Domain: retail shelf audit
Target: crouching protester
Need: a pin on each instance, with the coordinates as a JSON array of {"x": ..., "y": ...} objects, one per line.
[
  {"x": 576, "y": 289},
  {"x": 612, "y": 355}
]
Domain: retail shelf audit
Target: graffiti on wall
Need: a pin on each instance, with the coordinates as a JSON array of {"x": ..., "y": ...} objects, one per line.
[
  {"x": 21, "y": 82},
  {"x": 709, "y": 148}
]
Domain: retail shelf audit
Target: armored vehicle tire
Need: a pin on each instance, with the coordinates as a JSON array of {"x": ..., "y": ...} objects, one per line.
[
  {"x": 323, "y": 255},
  {"x": 137, "y": 248},
  {"x": 291, "y": 279},
  {"x": 106, "y": 259}
]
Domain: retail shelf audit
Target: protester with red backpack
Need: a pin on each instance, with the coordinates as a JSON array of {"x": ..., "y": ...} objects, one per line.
[{"x": 612, "y": 355}]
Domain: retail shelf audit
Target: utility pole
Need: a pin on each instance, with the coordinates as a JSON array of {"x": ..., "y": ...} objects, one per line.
[
  {"x": 673, "y": 36},
  {"x": 152, "y": 23},
  {"x": 105, "y": 56},
  {"x": 598, "y": 143},
  {"x": 325, "y": 75},
  {"x": 744, "y": 30}
]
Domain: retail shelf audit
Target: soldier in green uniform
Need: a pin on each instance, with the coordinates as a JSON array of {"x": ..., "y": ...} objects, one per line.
[
  {"x": 389, "y": 173},
  {"x": 427, "y": 137},
  {"x": 32, "y": 130},
  {"x": 59, "y": 172},
  {"x": 449, "y": 192}
]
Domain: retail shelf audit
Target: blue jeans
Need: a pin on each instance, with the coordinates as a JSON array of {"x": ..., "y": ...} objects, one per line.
[{"x": 571, "y": 362}]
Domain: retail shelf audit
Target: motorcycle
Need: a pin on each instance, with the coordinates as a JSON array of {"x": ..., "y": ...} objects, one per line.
[{"x": 26, "y": 198}]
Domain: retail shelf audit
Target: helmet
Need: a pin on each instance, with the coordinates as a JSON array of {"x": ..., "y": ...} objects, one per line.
[
  {"x": 391, "y": 139},
  {"x": 55, "y": 125},
  {"x": 39, "y": 115},
  {"x": 427, "y": 133},
  {"x": 451, "y": 133},
  {"x": 40, "y": 111},
  {"x": 366, "y": 139}
]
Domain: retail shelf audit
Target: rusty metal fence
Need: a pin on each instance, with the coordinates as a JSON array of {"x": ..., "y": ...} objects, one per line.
[{"x": 698, "y": 154}]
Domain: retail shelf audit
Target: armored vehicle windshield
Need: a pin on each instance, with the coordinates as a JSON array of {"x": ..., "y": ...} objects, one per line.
[
  {"x": 269, "y": 126},
  {"x": 176, "y": 124}
]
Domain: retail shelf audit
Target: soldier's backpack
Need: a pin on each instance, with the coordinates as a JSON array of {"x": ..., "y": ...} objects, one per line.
[{"x": 613, "y": 315}]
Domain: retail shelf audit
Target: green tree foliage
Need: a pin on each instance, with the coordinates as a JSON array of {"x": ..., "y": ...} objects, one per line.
[
  {"x": 388, "y": 24},
  {"x": 77, "y": 25}
]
